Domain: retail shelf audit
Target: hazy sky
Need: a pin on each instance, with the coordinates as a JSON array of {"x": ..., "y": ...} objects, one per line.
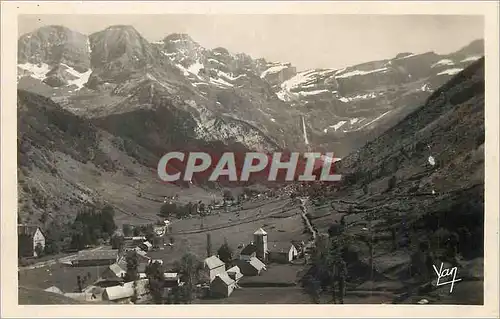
[{"x": 307, "y": 41}]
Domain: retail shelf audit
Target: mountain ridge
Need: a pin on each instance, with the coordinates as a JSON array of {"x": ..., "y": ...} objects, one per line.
[{"x": 340, "y": 106}]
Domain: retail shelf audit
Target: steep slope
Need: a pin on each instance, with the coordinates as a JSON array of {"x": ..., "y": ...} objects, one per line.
[
  {"x": 411, "y": 198},
  {"x": 66, "y": 162},
  {"x": 351, "y": 105},
  {"x": 55, "y": 55},
  {"x": 129, "y": 74}
]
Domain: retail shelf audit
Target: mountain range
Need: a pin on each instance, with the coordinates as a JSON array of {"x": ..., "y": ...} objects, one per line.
[
  {"x": 227, "y": 97},
  {"x": 96, "y": 112}
]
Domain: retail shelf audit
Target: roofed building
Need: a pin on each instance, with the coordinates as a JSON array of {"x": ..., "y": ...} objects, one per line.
[
  {"x": 222, "y": 285},
  {"x": 282, "y": 252},
  {"x": 124, "y": 293},
  {"x": 235, "y": 273},
  {"x": 214, "y": 266},
  {"x": 172, "y": 279},
  {"x": 96, "y": 258},
  {"x": 54, "y": 289},
  {"x": 130, "y": 243},
  {"x": 113, "y": 272},
  {"x": 146, "y": 246},
  {"x": 28, "y": 238},
  {"x": 252, "y": 267},
  {"x": 248, "y": 251}
]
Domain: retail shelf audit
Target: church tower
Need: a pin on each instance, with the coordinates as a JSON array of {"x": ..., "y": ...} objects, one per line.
[{"x": 260, "y": 240}]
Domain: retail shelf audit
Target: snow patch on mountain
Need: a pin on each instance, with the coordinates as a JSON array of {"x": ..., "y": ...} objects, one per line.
[
  {"x": 359, "y": 72},
  {"x": 471, "y": 59},
  {"x": 220, "y": 82},
  {"x": 338, "y": 125},
  {"x": 195, "y": 67},
  {"x": 37, "y": 71},
  {"x": 299, "y": 79},
  {"x": 273, "y": 69},
  {"x": 371, "y": 122},
  {"x": 409, "y": 55},
  {"x": 450, "y": 71},
  {"x": 229, "y": 76},
  {"x": 366, "y": 96},
  {"x": 315, "y": 92},
  {"x": 216, "y": 61},
  {"x": 443, "y": 62},
  {"x": 80, "y": 78}
]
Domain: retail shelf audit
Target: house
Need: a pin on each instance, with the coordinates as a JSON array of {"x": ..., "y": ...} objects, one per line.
[
  {"x": 146, "y": 246},
  {"x": 252, "y": 267},
  {"x": 222, "y": 286},
  {"x": 29, "y": 238},
  {"x": 118, "y": 294},
  {"x": 235, "y": 273},
  {"x": 214, "y": 266},
  {"x": 248, "y": 252},
  {"x": 172, "y": 279},
  {"x": 141, "y": 255},
  {"x": 130, "y": 243},
  {"x": 282, "y": 252},
  {"x": 96, "y": 258},
  {"x": 54, "y": 289},
  {"x": 114, "y": 272},
  {"x": 124, "y": 293},
  {"x": 300, "y": 246}
]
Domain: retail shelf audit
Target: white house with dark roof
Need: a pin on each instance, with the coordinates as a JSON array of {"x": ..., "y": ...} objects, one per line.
[
  {"x": 28, "y": 238},
  {"x": 235, "y": 273},
  {"x": 123, "y": 293},
  {"x": 248, "y": 252},
  {"x": 222, "y": 285},
  {"x": 114, "y": 272},
  {"x": 214, "y": 266},
  {"x": 96, "y": 258},
  {"x": 282, "y": 252},
  {"x": 252, "y": 267}
]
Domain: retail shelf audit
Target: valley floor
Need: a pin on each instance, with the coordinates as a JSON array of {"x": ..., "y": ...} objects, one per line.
[{"x": 279, "y": 284}]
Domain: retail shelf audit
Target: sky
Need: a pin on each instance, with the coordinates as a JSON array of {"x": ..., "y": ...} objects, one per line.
[{"x": 306, "y": 41}]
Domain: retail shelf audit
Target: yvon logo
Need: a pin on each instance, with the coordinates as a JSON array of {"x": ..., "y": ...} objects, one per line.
[{"x": 444, "y": 276}]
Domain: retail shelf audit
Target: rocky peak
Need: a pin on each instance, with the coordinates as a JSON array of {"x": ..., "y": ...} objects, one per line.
[
  {"x": 52, "y": 45},
  {"x": 119, "y": 51}
]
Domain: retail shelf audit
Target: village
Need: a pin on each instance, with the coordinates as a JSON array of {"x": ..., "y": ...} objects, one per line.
[{"x": 232, "y": 250}]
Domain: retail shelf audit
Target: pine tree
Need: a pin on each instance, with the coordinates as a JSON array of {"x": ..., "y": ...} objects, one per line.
[
  {"x": 209, "y": 245},
  {"x": 154, "y": 273}
]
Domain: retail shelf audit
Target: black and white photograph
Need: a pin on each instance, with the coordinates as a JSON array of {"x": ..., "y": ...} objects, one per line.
[{"x": 207, "y": 159}]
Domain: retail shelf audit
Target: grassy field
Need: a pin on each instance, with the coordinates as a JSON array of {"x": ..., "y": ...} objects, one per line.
[
  {"x": 236, "y": 228},
  {"x": 58, "y": 275},
  {"x": 34, "y": 296},
  {"x": 265, "y": 295},
  {"x": 275, "y": 275}
]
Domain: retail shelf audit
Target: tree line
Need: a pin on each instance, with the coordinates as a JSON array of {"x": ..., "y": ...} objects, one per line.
[{"x": 91, "y": 226}]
